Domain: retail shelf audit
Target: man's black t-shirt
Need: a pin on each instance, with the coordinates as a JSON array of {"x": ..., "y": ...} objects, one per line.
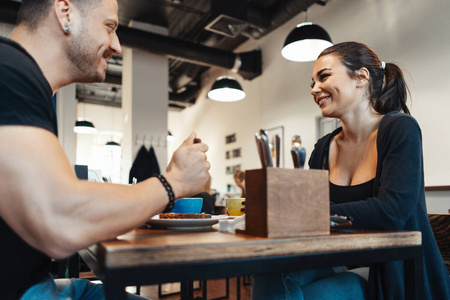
[
  {"x": 25, "y": 100},
  {"x": 25, "y": 94}
]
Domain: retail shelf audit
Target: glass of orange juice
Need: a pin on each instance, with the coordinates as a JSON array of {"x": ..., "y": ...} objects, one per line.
[{"x": 234, "y": 206}]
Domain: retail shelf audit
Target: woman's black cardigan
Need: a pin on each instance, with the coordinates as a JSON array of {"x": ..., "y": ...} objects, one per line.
[{"x": 398, "y": 203}]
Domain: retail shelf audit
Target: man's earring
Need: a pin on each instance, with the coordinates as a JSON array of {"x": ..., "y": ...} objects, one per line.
[{"x": 67, "y": 28}]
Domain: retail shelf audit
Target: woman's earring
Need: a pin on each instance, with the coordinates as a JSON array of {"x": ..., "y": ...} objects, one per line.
[{"x": 67, "y": 28}]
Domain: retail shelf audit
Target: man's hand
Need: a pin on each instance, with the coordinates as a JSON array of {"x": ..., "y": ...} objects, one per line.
[{"x": 187, "y": 171}]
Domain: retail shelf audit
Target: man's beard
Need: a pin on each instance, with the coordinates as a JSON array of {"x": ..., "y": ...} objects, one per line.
[{"x": 82, "y": 53}]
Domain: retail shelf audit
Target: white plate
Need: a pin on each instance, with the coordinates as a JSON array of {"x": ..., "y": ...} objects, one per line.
[{"x": 184, "y": 224}]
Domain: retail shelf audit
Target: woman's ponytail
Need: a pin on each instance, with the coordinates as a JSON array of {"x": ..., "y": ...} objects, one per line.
[{"x": 394, "y": 93}]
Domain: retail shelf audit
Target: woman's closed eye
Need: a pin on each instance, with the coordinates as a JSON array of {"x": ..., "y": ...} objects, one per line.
[{"x": 322, "y": 78}]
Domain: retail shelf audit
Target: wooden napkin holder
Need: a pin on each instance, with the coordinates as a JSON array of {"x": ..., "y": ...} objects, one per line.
[{"x": 287, "y": 202}]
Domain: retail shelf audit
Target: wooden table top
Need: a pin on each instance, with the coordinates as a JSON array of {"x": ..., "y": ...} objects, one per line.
[{"x": 158, "y": 247}]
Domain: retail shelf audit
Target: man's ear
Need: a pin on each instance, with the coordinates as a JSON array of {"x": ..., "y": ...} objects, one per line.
[
  {"x": 63, "y": 9},
  {"x": 362, "y": 78}
]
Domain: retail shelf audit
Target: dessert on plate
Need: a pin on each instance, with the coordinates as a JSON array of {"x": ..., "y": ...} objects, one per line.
[{"x": 184, "y": 216}]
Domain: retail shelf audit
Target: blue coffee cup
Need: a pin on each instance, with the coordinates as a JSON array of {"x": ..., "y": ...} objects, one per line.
[{"x": 188, "y": 206}]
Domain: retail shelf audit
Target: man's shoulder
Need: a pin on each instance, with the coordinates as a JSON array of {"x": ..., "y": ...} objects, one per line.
[
  {"x": 9, "y": 46},
  {"x": 15, "y": 61},
  {"x": 16, "y": 64},
  {"x": 15, "y": 57},
  {"x": 25, "y": 95}
]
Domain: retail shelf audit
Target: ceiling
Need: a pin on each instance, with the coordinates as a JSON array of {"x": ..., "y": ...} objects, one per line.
[{"x": 204, "y": 30}]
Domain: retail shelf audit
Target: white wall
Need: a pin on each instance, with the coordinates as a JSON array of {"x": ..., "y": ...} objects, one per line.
[
  {"x": 412, "y": 33},
  {"x": 6, "y": 29},
  {"x": 438, "y": 201}
]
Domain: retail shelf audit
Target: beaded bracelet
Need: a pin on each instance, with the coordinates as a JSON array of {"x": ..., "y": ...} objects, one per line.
[{"x": 169, "y": 190}]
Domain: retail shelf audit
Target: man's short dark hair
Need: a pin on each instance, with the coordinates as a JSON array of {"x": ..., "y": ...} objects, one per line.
[{"x": 32, "y": 12}]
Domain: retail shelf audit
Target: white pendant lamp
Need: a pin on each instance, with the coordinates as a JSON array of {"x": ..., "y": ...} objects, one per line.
[
  {"x": 305, "y": 42},
  {"x": 83, "y": 126},
  {"x": 226, "y": 89}
]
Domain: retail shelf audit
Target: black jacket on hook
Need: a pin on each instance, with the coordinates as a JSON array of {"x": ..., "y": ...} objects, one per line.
[
  {"x": 153, "y": 162},
  {"x": 144, "y": 166}
]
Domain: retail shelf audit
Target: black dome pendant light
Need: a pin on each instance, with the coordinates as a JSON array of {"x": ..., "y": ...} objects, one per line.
[{"x": 305, "y": 42}]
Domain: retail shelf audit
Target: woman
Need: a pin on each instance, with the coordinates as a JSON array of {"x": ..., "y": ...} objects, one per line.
[
  {"x": 375, "y": 171},
  {"x": 239, "y": 178},
  {"x": 209, "y": 200}
]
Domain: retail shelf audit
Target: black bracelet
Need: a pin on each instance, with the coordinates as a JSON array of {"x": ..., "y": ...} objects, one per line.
[{"x": 169, "y": 190}]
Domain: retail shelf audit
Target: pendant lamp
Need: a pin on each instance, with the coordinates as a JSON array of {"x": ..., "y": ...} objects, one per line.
[
  {"x": 305, "y": 42},
  {"x": 170, "y": 137},
  {"x": 112, "y": 144},
  {"x": 226, "y": 89},
  {"x": 83, "y": 126}
]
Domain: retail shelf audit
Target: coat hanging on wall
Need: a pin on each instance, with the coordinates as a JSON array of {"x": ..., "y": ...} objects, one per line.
[
  {"x": 153, "y": 162},
  {"x": 144, "y": 166}
]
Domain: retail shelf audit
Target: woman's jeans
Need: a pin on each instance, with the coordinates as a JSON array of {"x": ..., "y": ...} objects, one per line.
[
  {"x": 68, "y": 289},
  {"x": 320, "y": 284}
]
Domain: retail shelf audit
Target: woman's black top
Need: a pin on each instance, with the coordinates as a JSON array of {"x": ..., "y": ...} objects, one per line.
[{"x": 350, "y": 193}]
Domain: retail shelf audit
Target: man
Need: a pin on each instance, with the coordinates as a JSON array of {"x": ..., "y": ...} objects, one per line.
[{"x": 45, "y": 211}]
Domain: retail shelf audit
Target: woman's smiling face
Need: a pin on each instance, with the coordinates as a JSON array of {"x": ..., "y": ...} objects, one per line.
[{"x": 332, "y": 87}]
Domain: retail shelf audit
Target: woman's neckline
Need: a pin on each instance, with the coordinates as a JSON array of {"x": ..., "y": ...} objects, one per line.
[{"x": 354, "y": 185}]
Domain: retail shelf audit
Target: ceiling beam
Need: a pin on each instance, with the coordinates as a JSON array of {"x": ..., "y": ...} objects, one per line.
[
  {"x": 172, "y": 47},
  {"x": 191, "y": 52}
]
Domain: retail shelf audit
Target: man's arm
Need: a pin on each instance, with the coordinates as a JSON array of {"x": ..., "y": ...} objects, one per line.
[{"x": 46, "y": 205}]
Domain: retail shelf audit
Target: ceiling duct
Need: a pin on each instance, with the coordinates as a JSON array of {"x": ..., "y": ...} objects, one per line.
[
  {"x": 234, "y": 17},
  {"x": 237, "y": 17},
  {"x": 99, "y": 93},
  {"x": 227, "y": 26},
  {"x": 190, "y": 52},
  {"x": 189, "y": 93}
]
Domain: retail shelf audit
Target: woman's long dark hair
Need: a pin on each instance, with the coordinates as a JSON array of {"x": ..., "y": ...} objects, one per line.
[{"x": 388, "y": 89}]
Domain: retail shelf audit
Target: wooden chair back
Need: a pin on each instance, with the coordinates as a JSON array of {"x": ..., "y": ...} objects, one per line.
[{"x": 440, "y": 223}]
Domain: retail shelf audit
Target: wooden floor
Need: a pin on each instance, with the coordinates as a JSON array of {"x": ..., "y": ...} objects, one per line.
[{"x": 216, "y": 288}]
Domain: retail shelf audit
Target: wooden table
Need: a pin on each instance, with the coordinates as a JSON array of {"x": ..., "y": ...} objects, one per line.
[{"x": 144, "y": 257}]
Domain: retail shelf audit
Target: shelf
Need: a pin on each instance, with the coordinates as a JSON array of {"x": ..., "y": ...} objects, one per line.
[{"x": 438, "y": 188}]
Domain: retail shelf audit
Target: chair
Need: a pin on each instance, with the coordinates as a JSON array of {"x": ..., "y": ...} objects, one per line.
[
  {"x": 440, "y": 223},
  {"x": 203, "y": 285},
  {"x": 227, "y": 290},
  {"x": 187, "y": 286}
]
